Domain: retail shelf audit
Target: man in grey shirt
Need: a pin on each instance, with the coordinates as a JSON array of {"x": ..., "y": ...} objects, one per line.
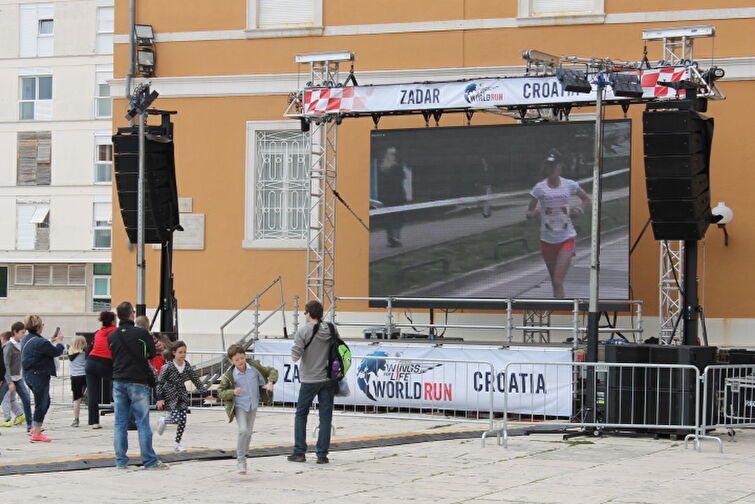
[{"x": 312, "y": 345}]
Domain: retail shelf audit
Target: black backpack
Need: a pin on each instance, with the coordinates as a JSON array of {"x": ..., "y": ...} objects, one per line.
[{"x": 339, "y": 354}]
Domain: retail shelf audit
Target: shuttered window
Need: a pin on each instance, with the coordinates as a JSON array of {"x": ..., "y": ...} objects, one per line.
[
  {"x": 44, "y": 275},
  {"x": 34, "y": 158},
  {"x": 32, "y": 226},
  {"x": 36, "y": 30},
  {"x": 292, "y": 15},
  {"x": 105, "y": 28}
]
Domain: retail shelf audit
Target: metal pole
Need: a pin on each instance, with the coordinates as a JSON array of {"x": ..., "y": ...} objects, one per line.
[
  {"x": 593, "y": 316},
  {"x": 691, "y": 309},
  {"x": 141, "y": 307},
  {"x": 131, "y": 44}
]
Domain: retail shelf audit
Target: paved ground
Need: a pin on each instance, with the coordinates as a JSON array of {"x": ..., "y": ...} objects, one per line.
[{"x": 535, "y": 469}]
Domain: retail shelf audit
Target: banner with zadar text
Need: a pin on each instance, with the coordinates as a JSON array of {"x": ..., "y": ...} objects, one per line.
[
  {"x": 458, "y": 377},
  {"x": 472, "y": 94}
]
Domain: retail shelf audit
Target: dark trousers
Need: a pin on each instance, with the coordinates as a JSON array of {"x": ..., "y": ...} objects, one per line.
[
  {"x": 99, "y": 386},
  {"x": 325, "y": 392},
  {"x": 40, "y": 389}
]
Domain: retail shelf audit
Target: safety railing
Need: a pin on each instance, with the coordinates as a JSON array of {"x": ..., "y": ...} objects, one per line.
[
  {"x": 573, "y": 305},
  {"x": 728, "y": 401},
  {"x": 600, "y": 396},
  {"x": 255, "y": 302}
]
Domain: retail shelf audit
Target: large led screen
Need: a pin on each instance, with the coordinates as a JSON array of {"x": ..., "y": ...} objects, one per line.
[{"x": 497, "y": 211}]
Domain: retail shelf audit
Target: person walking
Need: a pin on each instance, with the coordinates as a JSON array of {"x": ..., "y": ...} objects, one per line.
[
  {"x": 312, "y": 346},
  {"x": 38, "y": 365},
  {"x": 132, "y": 347},
  {"x": 77, "y": 369},
  {"x": 12, "y": 360},
  {"x": 99, "y": 370}
]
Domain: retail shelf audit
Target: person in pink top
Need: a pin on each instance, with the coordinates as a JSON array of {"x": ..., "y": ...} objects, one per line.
[
  {"x": 99, "y": 369},
  {"x": 551, "y": 201}
]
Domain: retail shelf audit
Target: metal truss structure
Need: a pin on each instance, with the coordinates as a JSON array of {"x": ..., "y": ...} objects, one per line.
[
  {"x": 671, "y": 293},
  {"x": 328, "y": 98}
]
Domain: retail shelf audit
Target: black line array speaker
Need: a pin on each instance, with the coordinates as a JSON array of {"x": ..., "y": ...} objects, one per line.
[
  {"x": 160, "y": 196},
  {"x": 677, "y": 157},
  {"x": 651, "y": 395}
]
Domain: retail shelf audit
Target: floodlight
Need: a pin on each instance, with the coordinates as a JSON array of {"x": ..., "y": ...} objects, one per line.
[
  {"x": 713, "y": 74},
  {"x": 333, "y": 56},
  {"x": 624, "y": 84},
  {"x": 144, "y": 35},
  {"x": 573, "y": 80},
  {"x": 682, "y": 31},
  {"x": 145, "y": 61},
  {"x": 535, "y": 56}
]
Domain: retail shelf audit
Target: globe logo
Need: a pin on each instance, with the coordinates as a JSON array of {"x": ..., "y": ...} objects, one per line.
[{"x": 368, "y": 371}]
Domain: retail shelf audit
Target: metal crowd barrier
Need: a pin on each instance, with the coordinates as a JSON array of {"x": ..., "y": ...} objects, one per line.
[
  {"x": 729, "y": 401},
  {"x": 600, "y": 396}
]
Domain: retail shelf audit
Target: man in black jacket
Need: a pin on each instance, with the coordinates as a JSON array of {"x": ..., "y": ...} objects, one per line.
[{"x": 132, "y": 347}]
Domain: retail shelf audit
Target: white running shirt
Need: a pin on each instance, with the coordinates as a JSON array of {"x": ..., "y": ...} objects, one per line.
[{"x": 555, "y": 222}]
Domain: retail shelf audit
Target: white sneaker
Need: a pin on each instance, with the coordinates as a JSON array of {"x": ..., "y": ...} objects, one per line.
[
  {"x": 160, "y": 425},
  {"x": 160, "y": 466},
  {"x": 179, "y": 448}
]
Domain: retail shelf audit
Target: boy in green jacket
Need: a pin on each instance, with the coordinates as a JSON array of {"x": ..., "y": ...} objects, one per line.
[{"x": 241, "y": 388}]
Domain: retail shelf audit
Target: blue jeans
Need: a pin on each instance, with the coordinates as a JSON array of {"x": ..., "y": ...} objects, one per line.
[
  {"x": 325, "y": 392},
  {"x": 23, "y": 394},
  {"x": 133, "y": 397},
  {"x": 40, "y": 389}
]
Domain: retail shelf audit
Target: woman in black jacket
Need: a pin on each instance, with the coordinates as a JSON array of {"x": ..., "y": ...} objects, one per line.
[{"x": 38, "y": 364}]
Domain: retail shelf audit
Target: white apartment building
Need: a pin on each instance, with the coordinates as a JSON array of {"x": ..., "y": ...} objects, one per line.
[{"x": 56, "y": 58}]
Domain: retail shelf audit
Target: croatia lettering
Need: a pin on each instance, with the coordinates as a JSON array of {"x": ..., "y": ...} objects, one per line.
[{"x": 517, "y": 383}]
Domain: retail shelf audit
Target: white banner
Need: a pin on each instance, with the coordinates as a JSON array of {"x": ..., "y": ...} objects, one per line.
[
  {"x": 471, "y": 94},
  {"x": 395, "y": 375}
]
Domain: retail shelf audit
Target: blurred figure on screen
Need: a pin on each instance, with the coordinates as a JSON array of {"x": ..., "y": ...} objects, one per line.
[
  {"x": 550, "y": 201},
  {"x": 391, "y": 191},
  {"x": 486, "y": 185}
]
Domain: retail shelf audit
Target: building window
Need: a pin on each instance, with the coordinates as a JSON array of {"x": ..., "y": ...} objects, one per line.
[
  {"x": 101, "y": 298},
  {"x": 33, "y": 226},
  {"x": 3, "y": 281},
  {"x": 33, "y": 159},
  {"x": 284, "y": 17},
  {"x": 105, "y": 29},
  {"x": 103, "y": 107},
  {"x": 36, "y": 29},
  {"x": 36, "y": 98},
  {"x": 278, "y": 191},
  {"x": 103, "y": 225},
  {"x": 59, "y": 275},
  {"x": 103, "y": 159}
]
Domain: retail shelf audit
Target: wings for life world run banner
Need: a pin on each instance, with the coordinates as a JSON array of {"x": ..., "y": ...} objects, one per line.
[{"x": 377, "y": 380}]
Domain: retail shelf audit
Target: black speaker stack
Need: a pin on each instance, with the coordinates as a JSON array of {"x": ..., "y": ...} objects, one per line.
[
  {"x": 655, "y": 396},
  {"x": 160, "y": 196},
  {"x": 677, "y": 157}
]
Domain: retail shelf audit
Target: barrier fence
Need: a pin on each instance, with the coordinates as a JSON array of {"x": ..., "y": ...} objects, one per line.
[
  {"x": 670, "y": 398},
  {"x": 663, "y": 397}
]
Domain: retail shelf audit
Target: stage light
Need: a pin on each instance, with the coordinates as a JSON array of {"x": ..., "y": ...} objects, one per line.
[
  {"x": 713, "y": 74},
  {"x": 333, "y": 56},
  {"x": 626, "y": 85},
  {"x": 144, "y": 35},
  {"x": 573, "y": 80},
  {"x": 722, "y": 215},
  {"x": 145, "y": 61},
  {"x": 684, "y": 31},
  {"x": 535, "y": 56}
]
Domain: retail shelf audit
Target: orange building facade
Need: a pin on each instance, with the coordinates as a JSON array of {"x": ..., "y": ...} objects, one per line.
[{"x": 229, "y": 71}]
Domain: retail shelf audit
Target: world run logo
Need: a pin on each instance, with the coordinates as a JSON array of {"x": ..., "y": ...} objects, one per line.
[
  {"x": 380, "y": 378},
  {"x": 477, "y": 93}
]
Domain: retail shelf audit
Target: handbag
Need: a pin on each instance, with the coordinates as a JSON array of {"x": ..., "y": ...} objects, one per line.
[{"x": 151, "y": 376}]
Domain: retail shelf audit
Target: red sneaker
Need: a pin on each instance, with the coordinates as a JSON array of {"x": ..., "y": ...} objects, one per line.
[{"x": 40, "y": 437}]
